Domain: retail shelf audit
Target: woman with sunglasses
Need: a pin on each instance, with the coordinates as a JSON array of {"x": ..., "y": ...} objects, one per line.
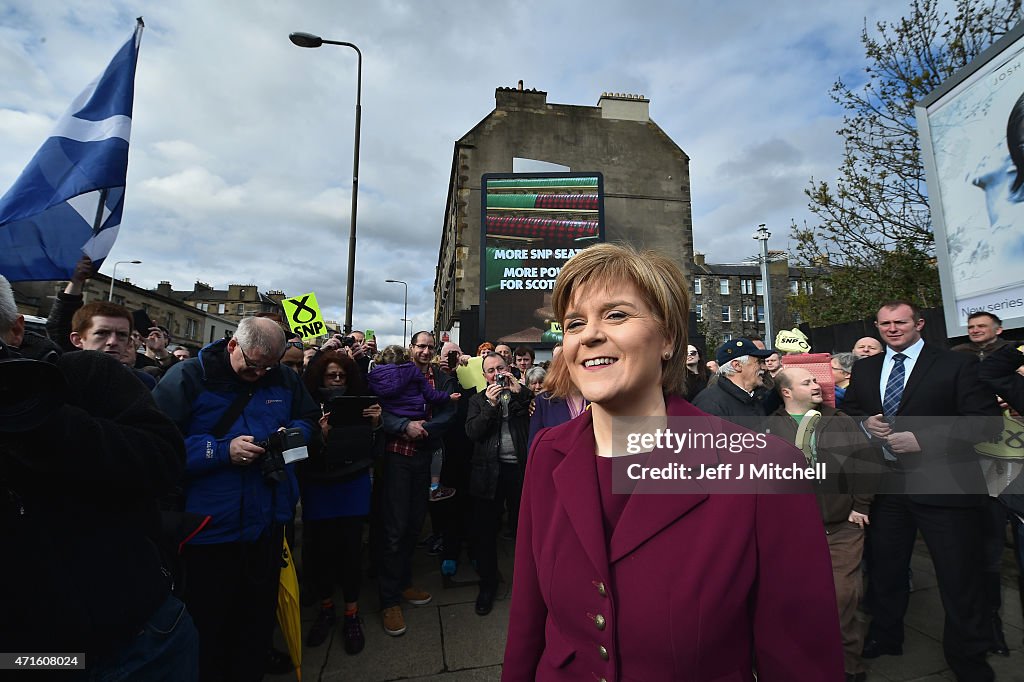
[
  {"x": 335, "y": 485},
  {"x": 697, "y": 373}
]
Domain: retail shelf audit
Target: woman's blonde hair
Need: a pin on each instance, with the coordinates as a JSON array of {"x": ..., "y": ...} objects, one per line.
[{"x": 662, "y": 286}]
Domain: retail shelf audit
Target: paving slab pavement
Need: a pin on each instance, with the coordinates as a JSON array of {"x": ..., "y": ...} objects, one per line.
[{"x": 447, "y": 642}]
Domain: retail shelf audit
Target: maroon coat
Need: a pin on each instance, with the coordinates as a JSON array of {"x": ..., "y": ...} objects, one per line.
[{"x": 692, "y": 586}]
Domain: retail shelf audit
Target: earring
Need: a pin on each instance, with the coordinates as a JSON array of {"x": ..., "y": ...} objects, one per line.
[{"x": 667, "y": 355}]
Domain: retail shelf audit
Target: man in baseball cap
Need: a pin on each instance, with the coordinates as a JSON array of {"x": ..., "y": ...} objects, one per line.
[{"x": 740, "y": 363}]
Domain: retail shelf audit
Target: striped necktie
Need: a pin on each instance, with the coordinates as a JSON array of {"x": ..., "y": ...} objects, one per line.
[{"x": 894, "y": 386}]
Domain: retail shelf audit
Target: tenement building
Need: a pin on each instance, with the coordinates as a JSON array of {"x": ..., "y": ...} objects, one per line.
[{"x": 645, "y": 202}]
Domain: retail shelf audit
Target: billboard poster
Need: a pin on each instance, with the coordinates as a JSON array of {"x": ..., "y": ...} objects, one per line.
[
  {"x": 972, "y": 140},
  {"x": 531, "y": 224}
]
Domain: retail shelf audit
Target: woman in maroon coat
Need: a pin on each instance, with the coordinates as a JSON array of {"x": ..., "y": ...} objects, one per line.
[{"x": 693, "y": 586}]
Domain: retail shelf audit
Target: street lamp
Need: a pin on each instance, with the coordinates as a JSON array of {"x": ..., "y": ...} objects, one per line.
[
  {"x": 310, "y": 40},
  {"x": 762, "y": 235},
  {"x": 113, "y": 276},
  {"x": 406, "y": 314}
]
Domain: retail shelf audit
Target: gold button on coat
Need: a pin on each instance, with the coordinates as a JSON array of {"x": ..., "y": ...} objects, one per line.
[
  {"x": 601, "y": 589},
  {"x": 599, "y": 621},
  {"x": 603, "y": 652}
]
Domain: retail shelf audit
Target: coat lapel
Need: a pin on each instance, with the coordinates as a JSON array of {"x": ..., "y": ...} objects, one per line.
[
  {"x": 651, "y": 508},
  {"x": 924, "y": 362},
  {"x": 579, "y": 492}
]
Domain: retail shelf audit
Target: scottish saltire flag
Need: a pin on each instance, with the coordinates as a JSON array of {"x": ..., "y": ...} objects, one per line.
[{"x": 68, "y": 200}]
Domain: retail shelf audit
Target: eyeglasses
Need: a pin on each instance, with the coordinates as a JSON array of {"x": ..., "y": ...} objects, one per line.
[
  {"x": 295, "y": 344},
  {"x": 423, "y": 346},
  {"x": 249, "y": 364},
  {"x": 334, "y": 375},
  {"x": 692, "y": 352}
]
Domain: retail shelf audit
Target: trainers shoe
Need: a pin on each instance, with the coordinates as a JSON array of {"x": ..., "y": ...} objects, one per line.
[
  {"x": 353, "y": 631},
  {"x": 438, "y": 494},
  {"x": 436, "y": 547},
  {"x": 449, "y": 567},
  {"x": 415, "y": 595},
  {"x": 325, "y": 620},
  {"x": 394, "y": 621}
]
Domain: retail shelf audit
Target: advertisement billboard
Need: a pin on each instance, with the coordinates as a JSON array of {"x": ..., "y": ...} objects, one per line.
[
  {"x": 972, "y": 142},
  {"x": 531, "y": 224}
]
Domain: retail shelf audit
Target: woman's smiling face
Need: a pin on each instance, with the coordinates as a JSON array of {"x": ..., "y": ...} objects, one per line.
[{"x": 614, "y": 347}]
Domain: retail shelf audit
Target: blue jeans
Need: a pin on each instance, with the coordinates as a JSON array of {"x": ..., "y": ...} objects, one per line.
[{"x": 166, "y": 649}]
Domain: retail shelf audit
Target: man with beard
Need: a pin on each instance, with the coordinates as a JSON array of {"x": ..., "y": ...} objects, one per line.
[{"x": 740, "y": 367}]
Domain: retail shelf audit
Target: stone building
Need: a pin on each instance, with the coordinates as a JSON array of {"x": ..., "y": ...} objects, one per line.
[
  {"x": 233, "y": 303},
  {"x": 646, "y": 184},
  {"x": 729, "y": 298},
  {"x": 188, "y": 324}
]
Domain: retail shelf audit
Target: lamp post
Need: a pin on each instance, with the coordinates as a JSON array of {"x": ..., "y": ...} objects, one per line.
[
  {"x": 113, "y": 276},
  {"x": 310, "y": 40},
  {"x": 762, "y": 235},
  {"x": 405, "y": 315}
]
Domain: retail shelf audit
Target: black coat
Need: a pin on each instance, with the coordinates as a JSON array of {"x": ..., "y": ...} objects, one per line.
[
  {"x": 483, "y": 427},
  {"x": 725, "y": 399},
  {"x": 81, "y": 570}
]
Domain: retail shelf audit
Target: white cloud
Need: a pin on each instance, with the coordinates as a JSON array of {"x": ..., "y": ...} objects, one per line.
[{"x": 241, "y": 164}]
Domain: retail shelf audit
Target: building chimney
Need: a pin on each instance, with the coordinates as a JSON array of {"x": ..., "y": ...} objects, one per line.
[
  {"x": 624, "y": 107},
  {"x": 698, "y": 258},
  {"x": 518, "y": 99}
]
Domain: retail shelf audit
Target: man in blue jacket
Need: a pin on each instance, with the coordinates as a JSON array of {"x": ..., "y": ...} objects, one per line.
[{"x": 225, "y": 401}]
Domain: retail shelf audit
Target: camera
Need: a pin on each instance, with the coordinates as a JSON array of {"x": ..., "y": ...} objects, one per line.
[
  {"x": 272, "y": 461},
  {"x": 453, "y": 359},
  {"x": 348, "y": 341},
  {"x": 501, "y": 380}
]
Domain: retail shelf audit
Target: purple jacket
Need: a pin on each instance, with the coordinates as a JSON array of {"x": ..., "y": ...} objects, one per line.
[{"x": 403, "y": 390}]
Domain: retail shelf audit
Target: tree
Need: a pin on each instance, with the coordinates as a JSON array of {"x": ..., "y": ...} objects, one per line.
[{"x": 874, "y": 231}]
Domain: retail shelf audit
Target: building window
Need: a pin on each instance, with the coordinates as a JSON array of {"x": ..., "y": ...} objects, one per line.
[
  {"x": 700, "y": 312},
  {"x": 760, "y": 314},
  {"x": 726, "y": 337},
  {"x": 794, "y": 287},
  {"x": 221, "y": 309},
  {"x": 119, "y": 300},
  {"x": 726, "y": 317},
  {"x": 191, "y": 328},
  {"x": 240, "y": 309},
  {"x": 696, "y": 286},
  {"x": 759, "y": 288},
  {"x": 746, "y": 286},
  {"x": 723, "y": 287},
  {"x": 748, "y": 313}
]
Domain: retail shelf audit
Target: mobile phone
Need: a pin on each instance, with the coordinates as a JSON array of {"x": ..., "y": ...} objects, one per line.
[
  {"x": 453, "y": 359},
  {"x": 370, "y": 335}
]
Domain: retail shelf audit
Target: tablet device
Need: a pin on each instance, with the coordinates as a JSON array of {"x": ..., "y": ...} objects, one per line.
[{"x": 347, "y": 410}]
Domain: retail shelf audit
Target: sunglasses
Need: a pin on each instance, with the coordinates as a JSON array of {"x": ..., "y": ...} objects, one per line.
[
  {"x": 692, "y": 352},
  {"x": 334, "y": 375},
  {"x": 295, "y": 344}
]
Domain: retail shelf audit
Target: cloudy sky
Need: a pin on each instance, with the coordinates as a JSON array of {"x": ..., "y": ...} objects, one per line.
[{"x": 241, "y": 160}]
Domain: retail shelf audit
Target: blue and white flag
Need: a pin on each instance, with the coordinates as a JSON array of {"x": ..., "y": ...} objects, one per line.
[{"x": 68, "y": 200}]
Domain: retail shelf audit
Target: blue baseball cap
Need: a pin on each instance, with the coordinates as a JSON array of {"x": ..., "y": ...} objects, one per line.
[{"x": 737, "y": 348}]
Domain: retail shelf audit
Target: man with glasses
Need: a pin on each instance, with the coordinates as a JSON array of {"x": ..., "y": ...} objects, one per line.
[
  {"x": 225, "y": 401},
  {"x": 409, "y": 449}
]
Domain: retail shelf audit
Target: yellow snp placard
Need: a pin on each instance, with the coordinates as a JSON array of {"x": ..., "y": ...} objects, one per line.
[{"x": 304, "y": 318}]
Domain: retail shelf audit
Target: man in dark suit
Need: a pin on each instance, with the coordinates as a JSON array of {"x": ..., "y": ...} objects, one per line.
[{"x": 907, "y": 397}]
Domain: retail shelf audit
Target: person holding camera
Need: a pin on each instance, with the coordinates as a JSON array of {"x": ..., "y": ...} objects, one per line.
[
  {"x": 239, "y": 412},
  {"x": 497, "y": 421}
]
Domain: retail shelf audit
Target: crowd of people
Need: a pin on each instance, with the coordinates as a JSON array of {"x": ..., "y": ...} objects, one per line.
[{"x": 150, "y": 493}]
